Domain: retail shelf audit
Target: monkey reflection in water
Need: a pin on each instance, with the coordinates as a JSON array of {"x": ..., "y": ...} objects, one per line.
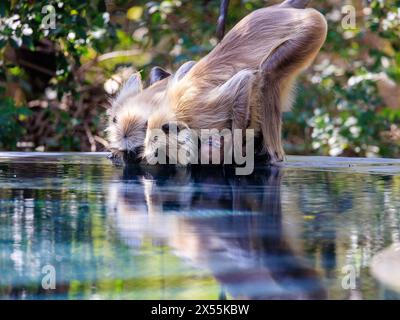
[{"x": 230, "y": 226}]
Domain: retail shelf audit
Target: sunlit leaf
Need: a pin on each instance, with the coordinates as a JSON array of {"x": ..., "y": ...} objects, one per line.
[{"x": 134, "y": 13}]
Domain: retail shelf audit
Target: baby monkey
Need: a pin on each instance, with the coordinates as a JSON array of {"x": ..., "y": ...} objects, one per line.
[{"x": 129, "y": 113}]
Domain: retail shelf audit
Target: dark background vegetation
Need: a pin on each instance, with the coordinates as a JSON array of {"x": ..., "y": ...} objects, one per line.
[{"x": 55, "y": 84}]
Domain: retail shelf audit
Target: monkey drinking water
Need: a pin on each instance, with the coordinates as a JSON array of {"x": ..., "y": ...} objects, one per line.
[{"x": 245, "y": 82}]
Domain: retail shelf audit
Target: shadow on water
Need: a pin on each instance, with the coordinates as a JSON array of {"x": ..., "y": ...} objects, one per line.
[{"x": 232, "y": 226}]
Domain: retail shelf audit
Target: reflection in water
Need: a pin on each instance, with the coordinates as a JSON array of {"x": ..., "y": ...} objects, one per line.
[
  {"x": 230, "y": 226},
  {"x": 151, "y": 233}
]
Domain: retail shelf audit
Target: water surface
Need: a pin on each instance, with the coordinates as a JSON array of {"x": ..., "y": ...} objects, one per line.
[{"x": 201, "y": 233}]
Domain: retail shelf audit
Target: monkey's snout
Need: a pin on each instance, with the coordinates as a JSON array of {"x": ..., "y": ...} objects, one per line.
[{"x": 115, "y": 158}]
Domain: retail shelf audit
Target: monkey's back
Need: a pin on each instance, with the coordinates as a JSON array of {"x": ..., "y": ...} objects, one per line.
[
  {"x": 245, "y": 46},
  {"x": 246, "y": 81},
  {"x": 252, "y": 40}
]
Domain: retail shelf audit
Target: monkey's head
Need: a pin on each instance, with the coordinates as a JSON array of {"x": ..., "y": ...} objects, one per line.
[
  {"x": 163, "y": 131},
  {"x": 129, "y": 112},
  {"x": 174, "y": 133},
  {"x": 169, "y": 141}
]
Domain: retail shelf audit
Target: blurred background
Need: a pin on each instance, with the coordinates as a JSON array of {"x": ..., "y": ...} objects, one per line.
[{"x": 60, "y": 65}]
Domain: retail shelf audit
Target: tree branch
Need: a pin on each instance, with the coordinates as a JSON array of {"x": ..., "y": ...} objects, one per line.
[{"x": 223, "y": 12}]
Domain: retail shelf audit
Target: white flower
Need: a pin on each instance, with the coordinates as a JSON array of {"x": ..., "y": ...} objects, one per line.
[
  {"x": 372, "y": 151},
  {"x": 111, "y": 86},
  {"x": 71, "y": 36},
  {"x": 355, "y": 131},
  {"x": 50, "y": 93},
  {"x": 106, "y": 17},
  {"x": 316, "y": 145},
  {"x": 27, "y": 31},
  {"x": 351, "y": 121},
  {"x": 97, "y": 34},
  {"x": 336, "y": 151}
]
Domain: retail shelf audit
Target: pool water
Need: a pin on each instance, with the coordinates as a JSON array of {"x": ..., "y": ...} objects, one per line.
[{"x": 72, "y": 226}]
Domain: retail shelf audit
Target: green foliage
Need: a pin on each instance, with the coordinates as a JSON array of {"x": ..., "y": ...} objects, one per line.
[
  {"x": 11, "y": 117},
  {"x": 340, "y": 108},
  {"x": 79, "y": 28},
  {"x": 344, "y": 110}
]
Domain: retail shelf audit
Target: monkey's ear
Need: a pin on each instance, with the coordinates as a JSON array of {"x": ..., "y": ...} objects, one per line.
[
  {"x": 183, "y": 70},
  {"x": 157, "y": 74},
  {"x": 133, "y": 85},
  {"x": 235, "y": 94}
]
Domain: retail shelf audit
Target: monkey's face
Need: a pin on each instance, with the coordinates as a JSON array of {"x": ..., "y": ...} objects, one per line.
[
  {"x": 176, "y": 143},
  {"x": 128, "y": 117},
  {"x": 131, "y": 110},
  {"x": 126, "y": 133},
  {"x": 168, "y": 141}
]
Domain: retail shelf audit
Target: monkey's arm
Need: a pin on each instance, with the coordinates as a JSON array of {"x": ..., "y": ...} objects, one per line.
[
  {"x": 279, "y": 70},
  {"x": 241, "y": 115},
  {"x": 238, "y": 93}
]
